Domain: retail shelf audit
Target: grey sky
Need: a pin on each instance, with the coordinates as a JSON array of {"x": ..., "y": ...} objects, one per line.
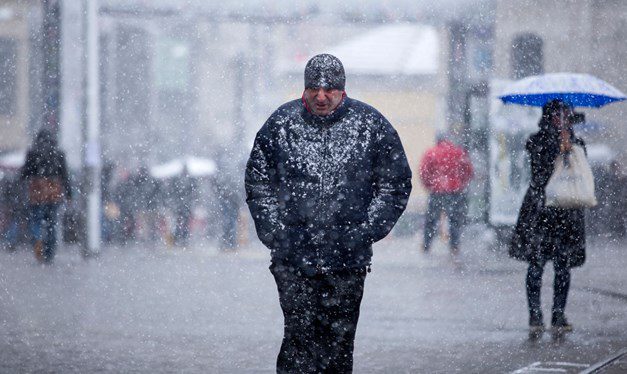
[{"x": 419, "y": 9}]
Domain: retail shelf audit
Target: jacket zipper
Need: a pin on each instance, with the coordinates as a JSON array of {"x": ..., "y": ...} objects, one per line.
[{"x": 325, "y": 133}]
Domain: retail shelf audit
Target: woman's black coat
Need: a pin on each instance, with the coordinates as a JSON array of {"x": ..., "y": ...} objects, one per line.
[{"x": 546, "y": 233}]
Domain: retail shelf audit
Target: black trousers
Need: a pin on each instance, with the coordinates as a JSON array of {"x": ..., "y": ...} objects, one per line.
[
  {"x": 561, "y": 284},
  {"x": 453, "y": 204},
  {"x": 320, "y": 319}
]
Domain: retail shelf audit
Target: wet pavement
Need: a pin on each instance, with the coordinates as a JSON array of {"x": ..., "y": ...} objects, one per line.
[
  {"x": 145, "y": 309},
  {"x": 614, "y": 364}
]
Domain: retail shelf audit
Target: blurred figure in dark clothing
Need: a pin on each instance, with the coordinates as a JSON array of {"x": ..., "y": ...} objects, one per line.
[
  {"x": 45, "y": 172},
  {"x": 123, "y": 197},
  {"x": 146, "y": 192},
  {"x": 110, "y": 212},
  {"x": 14, "y": 204},
  {"x": 184, "y": 193},
  {"x": 229, "y": 201}
]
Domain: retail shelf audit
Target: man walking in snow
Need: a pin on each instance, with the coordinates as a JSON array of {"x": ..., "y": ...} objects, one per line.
[
  {"x": 445, "y": 171},
  {"x": 327, "y": 177}
]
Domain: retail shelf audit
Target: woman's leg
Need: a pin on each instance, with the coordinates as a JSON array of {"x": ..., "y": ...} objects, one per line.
[
  {"x": 534, "y": 285},
  {"x": 561, "y": 285}
]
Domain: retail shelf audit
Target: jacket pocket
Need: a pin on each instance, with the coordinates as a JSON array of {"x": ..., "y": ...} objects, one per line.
[{"x": 289, "y": 240}]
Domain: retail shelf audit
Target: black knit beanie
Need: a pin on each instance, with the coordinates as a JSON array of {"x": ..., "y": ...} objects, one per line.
[{"x": 325, "y": 71}]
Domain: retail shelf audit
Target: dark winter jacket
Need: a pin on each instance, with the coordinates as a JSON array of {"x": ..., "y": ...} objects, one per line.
[
  {"x": 321, "y": 190},
  {"x": 545, "y": 233},
  {"x": 45, "y": 159}
]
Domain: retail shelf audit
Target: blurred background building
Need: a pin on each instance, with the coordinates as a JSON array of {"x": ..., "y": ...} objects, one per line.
[
  {"x": 200, "y": 78},
  {"x": 20, "y": 70}
]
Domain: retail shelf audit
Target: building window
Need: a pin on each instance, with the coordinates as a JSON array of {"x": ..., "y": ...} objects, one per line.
[
  {"x": 527, "y": 56},
  {"x": 8, "y": 76}
]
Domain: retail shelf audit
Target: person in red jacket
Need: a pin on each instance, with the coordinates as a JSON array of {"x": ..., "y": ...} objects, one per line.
[{"x": 445, "y": 171}]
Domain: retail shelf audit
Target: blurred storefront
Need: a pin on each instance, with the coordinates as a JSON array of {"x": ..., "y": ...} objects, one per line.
[
  {"x": 20, "y": 69},
  {"x": 470, "y": 68}
]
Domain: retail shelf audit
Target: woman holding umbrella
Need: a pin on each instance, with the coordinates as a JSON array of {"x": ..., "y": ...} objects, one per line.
[
  {"x": 544, "y": 233},
  {"x": 548, "y": 233}
]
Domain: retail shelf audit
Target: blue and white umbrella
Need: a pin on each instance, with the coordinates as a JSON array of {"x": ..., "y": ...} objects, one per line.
[{"x": 578, "y": 90}]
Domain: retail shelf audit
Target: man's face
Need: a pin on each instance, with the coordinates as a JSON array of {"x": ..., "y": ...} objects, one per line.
[{"x": 322, "y": 101}]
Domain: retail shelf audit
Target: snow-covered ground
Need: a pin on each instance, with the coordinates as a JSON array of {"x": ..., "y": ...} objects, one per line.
[{"x": 163, "y": 310}]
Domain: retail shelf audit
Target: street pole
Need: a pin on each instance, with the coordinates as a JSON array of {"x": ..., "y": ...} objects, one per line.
[
  {"x": 92, "y": 156},
  {"x": 51, "y": 64}
]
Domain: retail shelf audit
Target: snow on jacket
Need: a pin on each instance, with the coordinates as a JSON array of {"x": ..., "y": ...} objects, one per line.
[
  {"x": 445, "y": 168},
  {"x": 321, "y": 190}
]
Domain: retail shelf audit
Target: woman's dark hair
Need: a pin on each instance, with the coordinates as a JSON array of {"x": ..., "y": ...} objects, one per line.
[
  {"x": 45, "y": 139},
  {"x": 550, "y": 110}
]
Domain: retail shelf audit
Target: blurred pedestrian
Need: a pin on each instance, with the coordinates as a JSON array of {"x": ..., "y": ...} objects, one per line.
[
  {"x": 14, "y": 205},
  {"x": 45, "y": 171},
  {"x": 146, "y": 199},
  {"x": 184, "y": 194},
  {"x": 123, "y": 197},
  {"x": 326, "y": 178},
  {"x": 445, "y": 171},
  {"x": 229, "y": 201},
  {"x": 110, "y": 211},
  {"x": 544, "y": 233}
]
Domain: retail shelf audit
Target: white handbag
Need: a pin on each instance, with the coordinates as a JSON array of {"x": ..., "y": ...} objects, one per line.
[{"x": 572, "y": 184}]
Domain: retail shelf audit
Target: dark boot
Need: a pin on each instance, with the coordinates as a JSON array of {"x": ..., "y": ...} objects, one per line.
[
  {"x": 536, "y": 325},
  {"x": 560, "y": 323}
]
